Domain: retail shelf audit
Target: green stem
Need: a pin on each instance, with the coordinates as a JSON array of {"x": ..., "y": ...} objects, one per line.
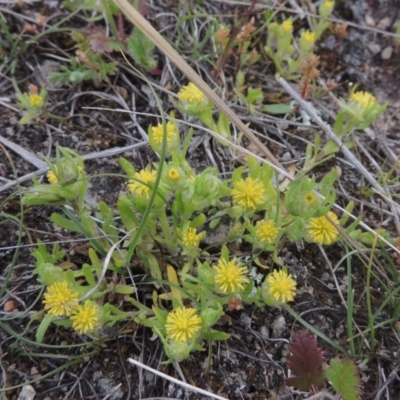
[
  {"x": 371, "y": 317},
  {"x": 165, "y": 228}
]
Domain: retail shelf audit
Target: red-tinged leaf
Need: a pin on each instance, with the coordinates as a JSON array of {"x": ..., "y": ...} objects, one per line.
[
  {"x": 305, "y": 361},
  {"x": 143, "y": 8},
  {"x": 99, "y": 43},
  {"x": 155, "y": 72}
]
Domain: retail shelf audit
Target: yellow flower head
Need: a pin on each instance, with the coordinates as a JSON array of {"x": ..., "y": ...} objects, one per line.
[
  {"x": 222, "y": 34},
  {"x": 51, "y": 176},
  {"x": 139, "y": 188},
  {"x": 230, "y": 277},
  {"x": 287, "y": 25},
  {"x": 35, "y": 100},
  {"x": 281, "y": 286},
  {"x": 365, "y": 99},
  {"x": 84, "y": 317},
  {"x": 326, "y": 8},
  {"x": 310, "y": 198},
  {"x": 191, "y": 238},
  {"x": 182, "y": 324},
  {"x": 158, "y": 132},
  {"x": 60, "y": 300},
  {"x": 308, "y": 36},
  {"x": 266, "y": 231},
  {"x": 248, "y": 193},
  {"x": 321, "y": 230},
  {"x": 174, "y": 174},
  {"x": 191, "y": 93}
]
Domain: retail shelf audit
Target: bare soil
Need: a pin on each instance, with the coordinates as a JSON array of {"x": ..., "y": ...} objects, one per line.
[{"x": 251, "y": 364}]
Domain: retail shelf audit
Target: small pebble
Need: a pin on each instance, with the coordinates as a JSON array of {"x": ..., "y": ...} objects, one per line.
[
  {"x": 387, "y": 53},
  {"x": 27, "y": 393},
  {"x": 278, "y": 326}
]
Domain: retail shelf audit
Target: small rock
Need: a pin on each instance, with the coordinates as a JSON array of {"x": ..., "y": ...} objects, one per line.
[
  {"x": 264, "y": 331},
  {"x": 369, "y": 20},
  {"x": 278, "y": 326},
  {"x": 9, "y": 306},
  {"x": 387, "y": 53},
  {"x": 27, "y": 393},
  {"x": 385, "y": 23},
  {"x": 374, "y": 48}
]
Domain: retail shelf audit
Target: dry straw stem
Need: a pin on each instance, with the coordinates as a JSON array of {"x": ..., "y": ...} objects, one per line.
[
  {"x": 140, "y": 22},
  {"x": 176, "y": 381}
]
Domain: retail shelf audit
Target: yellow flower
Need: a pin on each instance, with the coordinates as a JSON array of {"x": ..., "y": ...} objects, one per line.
[
  {"x": 282, "y": 286},
  {"x": 191, "y": 238},
  {"x": 174, "y": 174},
  {"x": 84, "y": 317},
  {"x": 308, "y": 36},
  {"x": 35, "y": 100},
  {"x": 287, "y": 25},
  {"x": 321, "y": 230},
  {"x": 182, "y": 324},
  {"x": 60, "y": 300},
  {"x": 326, "y": 8},
  {"x": 158, "y": 132},
  {"x": 365, "y": 99},
  {"x": 248, "y": 193},
  {"x": 266, "y": 231},
  {"x": 310, "y": 198},
  {"x": 191, "y": 93},
  {"x": 139, "y": 188},
  {"x": 230, "y": 277},
  {"x": 51, "y": 176}
]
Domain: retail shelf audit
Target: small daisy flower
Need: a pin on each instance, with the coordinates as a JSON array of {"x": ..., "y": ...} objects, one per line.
[
  {"x": 326, "y": 8},
  {"x": 287, "y": 25},
  {"x": 191, "y": 94},
  {"x": 248, "y": 193},
  {"x": 84, "y": 317},
  {"x": 35, "y": 100},
  {"x": 281, "y": 286},
  {"x": 364, "y": 99},
  {"x": 158, "y": 132},
  {"x": 51, "y": 177},
  {"x": 174, "y": 174},
  {"x": 222, "y": 34},
  {"x": 191, "y": 238},
  {"x": 310, "y": 198},
  {"x": 266, "y": 231},
  {"x": 139, "y": 188},
  {"x": 308, "y": 36},
  {"x": 230, "y": 277},
  {"x": 321, "y": 230},
  {"x": 60, "y": 300},
  {"x": 182, "y": 324}
]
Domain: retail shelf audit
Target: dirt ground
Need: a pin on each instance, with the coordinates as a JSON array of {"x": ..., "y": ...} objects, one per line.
[{"x": 250, "y": 365}]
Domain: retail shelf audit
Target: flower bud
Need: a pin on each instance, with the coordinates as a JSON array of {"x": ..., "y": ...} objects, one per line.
[{"x": 210, "y": 316}]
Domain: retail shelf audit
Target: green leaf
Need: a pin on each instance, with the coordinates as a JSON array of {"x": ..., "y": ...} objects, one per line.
[
  {"x": 65, "y": 223},
  {"x": 277, "y": 108},
  {"x": 198, "y": 221},
  {"x": 141, "y": 49},
  {"x": 214, "y": 223},
  {"x": 212, "y": 334},
  {"x": 343, "y": 374},
  {"x": 44, "y": 324}
]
